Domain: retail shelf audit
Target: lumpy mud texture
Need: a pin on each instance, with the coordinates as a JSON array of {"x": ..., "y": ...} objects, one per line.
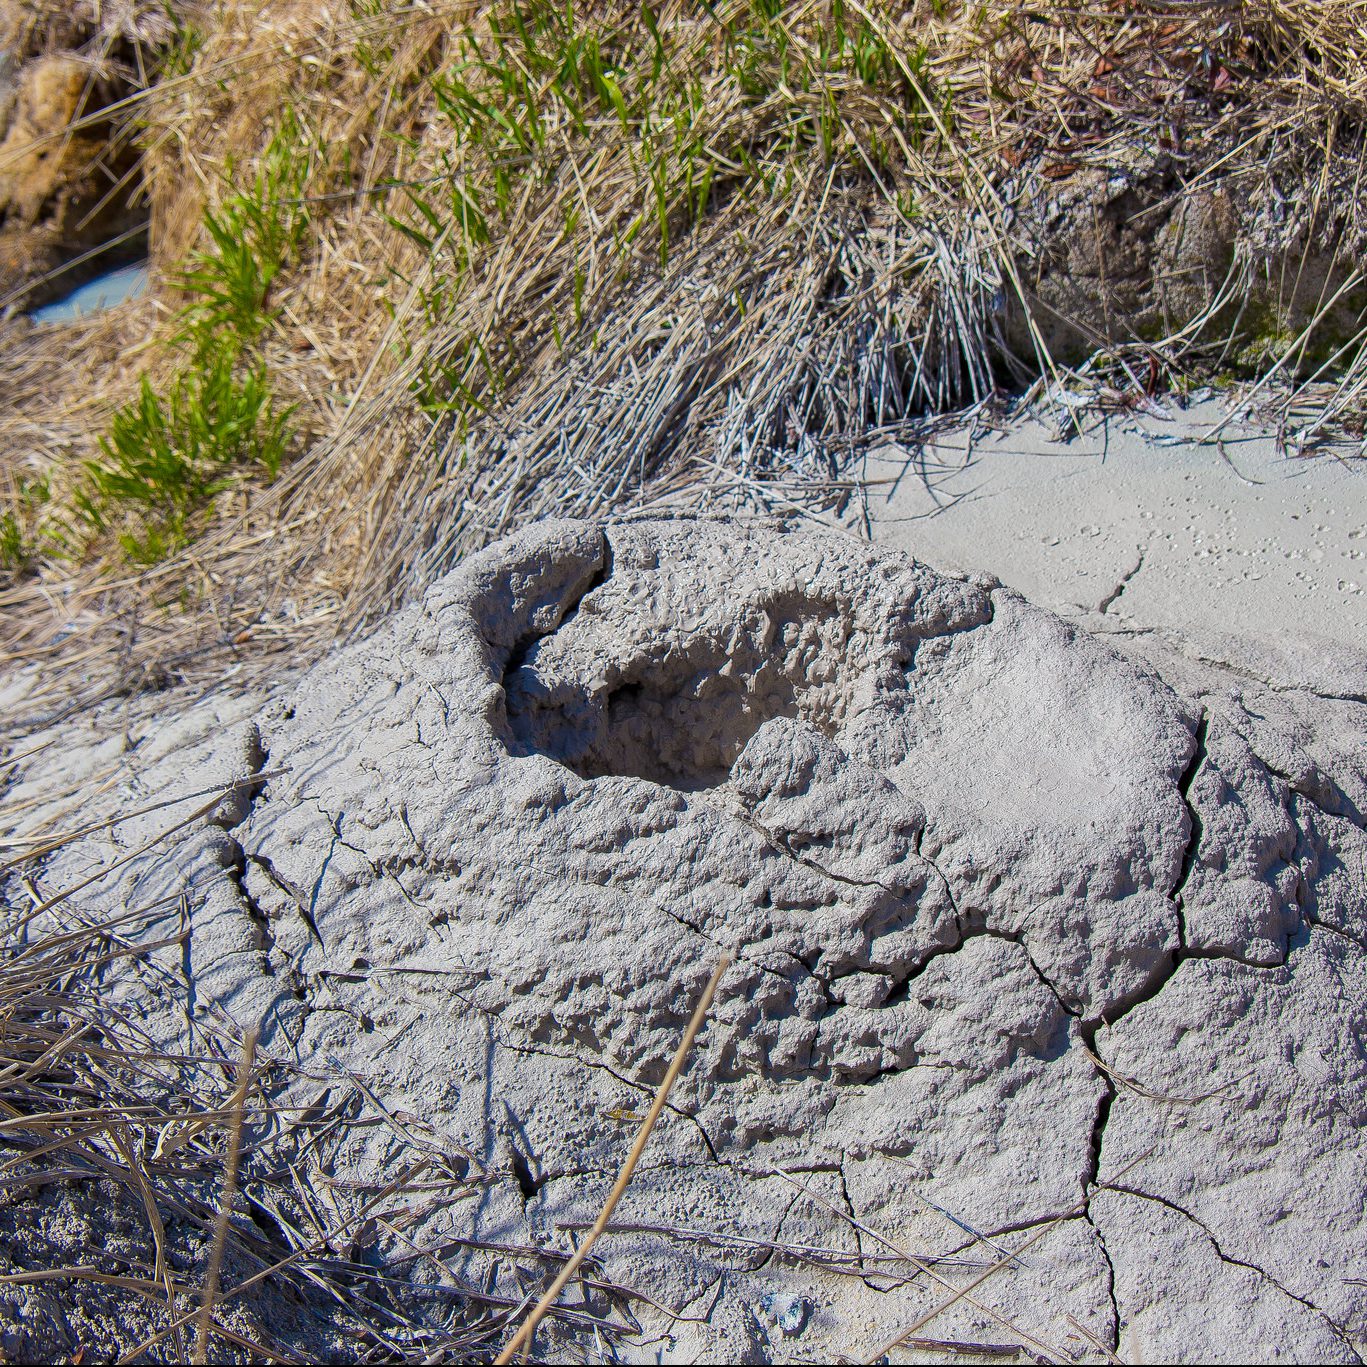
[
  {"x": 1022, "y": 932},
  {"x": 688, "y": 739},
  {"x": 654, "y": 676}
]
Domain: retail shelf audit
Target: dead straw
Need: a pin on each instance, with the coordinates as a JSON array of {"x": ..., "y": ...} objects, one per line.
[
  {"x": 521, "y": 1341},
  {"x": 874, "y": 285},
  {"x": 86, "y": 1095},
  {"x": 964, "y": 1292},
  {"x": 238, "y": 1108},
  {"x": 925, "y": 1266}
]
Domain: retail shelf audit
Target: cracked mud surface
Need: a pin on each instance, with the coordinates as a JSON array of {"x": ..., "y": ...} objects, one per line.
[{"x": 1024, "y": 933}]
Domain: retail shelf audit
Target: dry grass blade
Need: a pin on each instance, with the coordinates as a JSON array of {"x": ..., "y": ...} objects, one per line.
[
  {"x": 47, "y": 904},
  {"x": 970, "y": 1350},
  {"x": 963, "y": 1293},
  {"x": 926, "y": 1267},
  {"x": 37, "y": 847},
  {"x": 238, "y": 1107},
  {"x": 860, "y": 1264},
  {"x": 521, "y": 1341},
  {"x": 1091, "y": 1338}
]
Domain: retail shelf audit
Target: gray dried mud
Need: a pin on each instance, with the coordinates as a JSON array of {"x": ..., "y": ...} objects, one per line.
[{"x": 1027, "y": 930}]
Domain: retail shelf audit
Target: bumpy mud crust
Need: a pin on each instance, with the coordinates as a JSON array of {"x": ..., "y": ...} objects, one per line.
[{"x": 1022, "y": 933}]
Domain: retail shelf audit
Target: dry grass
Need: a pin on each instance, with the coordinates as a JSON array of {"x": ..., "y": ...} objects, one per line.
[
  {"x": 768, "y": 232},
  {"x": 124, "y": 1109}
]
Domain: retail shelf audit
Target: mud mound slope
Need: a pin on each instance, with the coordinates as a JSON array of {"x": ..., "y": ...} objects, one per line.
[{"x": 1023, "y": 934}]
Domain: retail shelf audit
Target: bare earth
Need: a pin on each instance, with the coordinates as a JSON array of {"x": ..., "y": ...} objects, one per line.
[
  {"x": 1049, "y": 915},
  {"x": 1255, "y": 558}
]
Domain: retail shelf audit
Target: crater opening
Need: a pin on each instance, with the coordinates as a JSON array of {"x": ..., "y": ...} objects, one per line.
[{"x": 676, "y": 705}]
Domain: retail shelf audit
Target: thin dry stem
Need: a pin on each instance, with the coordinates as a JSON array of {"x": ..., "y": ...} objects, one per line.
[
  {"x": 522, "y": 1340},
  {"x": 238, "y": 1107}
]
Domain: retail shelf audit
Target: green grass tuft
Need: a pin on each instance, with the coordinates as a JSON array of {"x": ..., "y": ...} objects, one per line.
[
  {"x": 21, "y": 529},
  {"x": 167, "y": 455},
  {"x": 13, "y": 545},
  {"x": 252, "y": 236}
]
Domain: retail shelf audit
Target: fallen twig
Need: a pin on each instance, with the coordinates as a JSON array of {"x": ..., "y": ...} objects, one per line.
[{"x": 206, "y": 1309}]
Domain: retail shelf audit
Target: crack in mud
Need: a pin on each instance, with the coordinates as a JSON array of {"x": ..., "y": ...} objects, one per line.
[
  {"x": 1352, "y": 939},
  {"x": 237, "y": 875},
  {"x": 1114, "y": 1343},
  {"x": 1272, "y": 685},
  {"x": 1122, "y": 584},
  {"x": 1334, "y": 1327},
  {"x": 1190, "y": 854},
  {"x": 301, "y": 902}
]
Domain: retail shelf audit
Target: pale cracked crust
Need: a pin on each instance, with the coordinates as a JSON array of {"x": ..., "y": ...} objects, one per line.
[{"x": 1016, "y": 925}]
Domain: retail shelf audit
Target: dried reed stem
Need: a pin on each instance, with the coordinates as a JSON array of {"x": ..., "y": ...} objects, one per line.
[
  {"x": 523, "y": 1338},
  {"x": 963, "y": 1293},
  {"x": 239, "y": 1105}
]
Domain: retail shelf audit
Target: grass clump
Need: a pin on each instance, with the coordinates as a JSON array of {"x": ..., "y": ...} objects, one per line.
[
  {"x": 559, "y": 258},
  {"x": 251, "y": 239},
  {"x": 624, "y": 137},
  {"x": 172, "y": 449},
  {"x": 167, "y": 455},
  {"x": 21, "y": 530}
]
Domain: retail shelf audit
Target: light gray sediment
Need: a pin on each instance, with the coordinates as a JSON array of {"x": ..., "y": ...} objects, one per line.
[{"x": 1025, "y": 932}]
